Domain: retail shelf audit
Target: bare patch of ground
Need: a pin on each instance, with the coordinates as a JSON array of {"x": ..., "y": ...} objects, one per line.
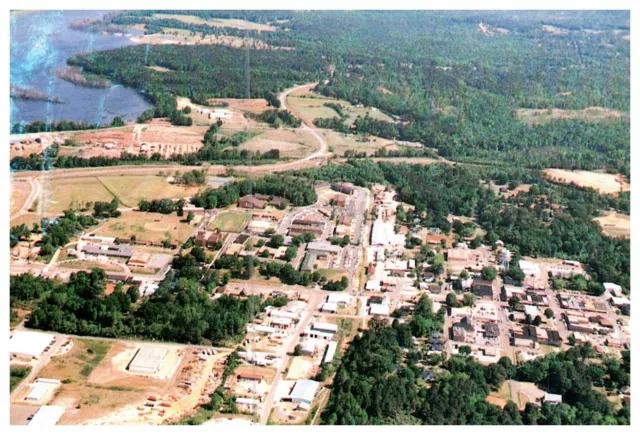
[
  {"x": 554, "y": 30},
  {"x": 292, "y": 143},
  {"x": 160, "y": 69},
  {"x": 592, "y": 114},
  {"x": 20, "y": 190},
  {"x": 615, "y": 224},
  {"x": 603, "y": 182},
  {"x": 219, "y": 22}
]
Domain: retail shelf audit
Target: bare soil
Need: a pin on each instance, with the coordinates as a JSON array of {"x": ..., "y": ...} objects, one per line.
[{"x": 602, "y": 182}]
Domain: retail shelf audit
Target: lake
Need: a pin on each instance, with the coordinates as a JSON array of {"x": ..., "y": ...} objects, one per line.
[{"x": 41, "y": 43}]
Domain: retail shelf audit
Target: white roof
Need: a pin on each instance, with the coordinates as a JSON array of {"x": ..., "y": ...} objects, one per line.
[
  {"x": 611, "y": 287},
  {"x": 556, "y": 398},
  {"x": 383, "y": 233},
  {"x": 247, "y": 401},
  {"x": 329, "y": 307},
  {"x": 338, "y": 298},
  {"x": 29, "y": 343},
  {"x": 308, "y": 346},
  {"x": 304, "y": 390},
  {"x": 372, "y": 285},
  {"x": 531, "y": 311},
  {"x": 620, "y": 301},
  {"x": 529, "y": 267},
  {"x": 38, "y": 391},
  {"x": 47, "y": 415},
  {"x": 331, "y": 351},
  {"x": 325, "y": 326},
  {"x": 379, "y": 309},
  {"x": 323, "y": 246}
]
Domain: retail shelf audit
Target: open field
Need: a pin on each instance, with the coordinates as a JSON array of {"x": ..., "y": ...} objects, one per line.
[
  {"x": 82, "y": 399},
  {"x": 602, "y": 182},
  {"x": 591, "y": 114},
  {"x": 90, "y": 264},
  {"x": 28, "y": 219},
  {"x": 74, "y": 193},
  {"x": 147, "y": 226},
  {"x": 292, "y": 143},
  {"x": 20, "y": 190},
  {"x": 230, "y": 221},
  {"x": 615, "y": 224},
  {"x": 340, "y": 142},
  {"x": 310, "y": 105},
  {"x": 131, "y": 189},
  {"x": 332, "y": 274},
  {"x": 218, "y": 22},
  {"x": 183, "y": 36}
]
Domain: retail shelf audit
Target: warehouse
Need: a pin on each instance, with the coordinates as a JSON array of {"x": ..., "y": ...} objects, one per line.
[
  {"x": 148, "y": 360},
  {"x": 303, "y": 392},
  {"x": 30, "y": 344},
  {"x": 331, "y": 352},
  {"x": 47, "y": 415}
]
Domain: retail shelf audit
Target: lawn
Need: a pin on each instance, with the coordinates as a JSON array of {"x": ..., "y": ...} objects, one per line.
[
  {"x": 17, "y": 375},
  {"x": 75, "y": 193},
  {"x": 131, "y": 189},
  {"x": 90, "y": 264},
  {"x": 147, "y": 226},
  {"x": 230, "y": 221}
]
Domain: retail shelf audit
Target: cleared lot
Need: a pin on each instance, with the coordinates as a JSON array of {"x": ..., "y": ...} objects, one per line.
[
  {"x": 602, "y": 182},
  {"x": 615, "y": 224},
  {"x": 147, "y": 226}
]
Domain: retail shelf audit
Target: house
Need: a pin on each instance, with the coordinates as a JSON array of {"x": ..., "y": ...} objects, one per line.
[
  {"x": 251, "y": 202},
  {"x": 250, "y": 377}
]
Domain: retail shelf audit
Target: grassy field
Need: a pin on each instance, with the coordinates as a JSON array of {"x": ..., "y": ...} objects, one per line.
[
  {"x": 332, "y": 274},
  {"x": 147, "y": 226},
  {"x": 339, "y": 143},
  {"x": 90, "y": 264},
  {"x": 311, "y": 106},
  {"x": 292, "y": 143},
  {"x": 230, "y": 221},
  {"x": 80, "y": 192},
  {"x": 17, "y": 375}
]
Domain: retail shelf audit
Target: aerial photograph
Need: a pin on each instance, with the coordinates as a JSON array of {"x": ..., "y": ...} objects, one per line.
[{"x": 319, "y": 217}]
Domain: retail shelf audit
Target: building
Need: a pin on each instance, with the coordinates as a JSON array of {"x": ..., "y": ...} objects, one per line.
[
  {"x": 220, "y": 113},
  {"x": 344, "y": 188},
  {"x": 373, "y": 285},
  {"x": 111, "y": 250},
  {"x": 340, "y": 299},
  {"x": 340, "y": 200},
  {"x": 491, "y": 331},
  {"x": 48, "y": 415},
  {"x": 484, "y": 288},
  {"x": 325, "y": 327},
  {"x": 330, "y": 353},
  {"x": 30, "y": 344},
  {"x": 313, "y": 223},
  {"x": 209, "y": 239},
  {"x": 312, "y": 260},
  {"x": 251, "y": 202},
  {"x": 612, "y": 289},
  {"x": 250, "y": 377},
  {"x": 139, "y": 259},
  {"x": 303, "y": 392},
  {"x": 382, "y": 233},
  {"x": 379, "y": 309},
  {"x": 308, "y": 347},
  {"x": 553, "y": 399},
  {"x": 324, "y": 246},
  {"x": 463, "y": 330},
  {"x": 148, "y": 360}
]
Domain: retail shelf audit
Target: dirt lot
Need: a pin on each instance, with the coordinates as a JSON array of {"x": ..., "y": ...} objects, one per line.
[
  {"x": 147, "y": 226},
  {"x": 82, "y": 399},
  {"x": 602, "y": 182},
  {"x": 615, "y": 224},
  {"x": 218, "y": 22},
  {"x": 292, "y": 143},
  {"x": 592, "y": 114},
  {"x": 20, "y": 190},
  {"x": 182, "y": 36}
]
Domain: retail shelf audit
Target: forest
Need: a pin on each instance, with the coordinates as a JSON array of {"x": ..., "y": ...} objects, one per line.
[
  {"x": 451, "y": 84},
  {"x": 180, "y": 310},
  {"x": 548, "y": 220},
  {"x": 377, "y": 383}
]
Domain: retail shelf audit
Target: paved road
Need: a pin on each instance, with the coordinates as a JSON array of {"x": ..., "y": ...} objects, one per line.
[{"x": 314, "y": 302}]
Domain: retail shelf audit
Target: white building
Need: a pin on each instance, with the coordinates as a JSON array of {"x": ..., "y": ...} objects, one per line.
[
  {"x": 47, "y": 415},
  {"x": 379, "y": 310},
  {"x": 304, "y": 391},
  {"x": 529, "y": 268},
  {"x": 30, "y": 344},
  {"x": 340, "y": 299},
  {"x": 612, "y": 289},
  {"x": 383, "y": 233},
  {"x": 373, "y": 285},
  {"x": 331, "y": 352}
]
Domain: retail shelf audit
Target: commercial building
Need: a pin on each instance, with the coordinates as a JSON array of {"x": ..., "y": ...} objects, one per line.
[
  {"x": 148, "y": 360},
  {"x": 111, "y": 250},
  {"x": 48, "y": 415},
  {"x": 303, "y": 392},
  {"x": 251, "y": 202},
  {"x": 30, "y": 344},
  {"x": 383, "y": 234},
  {"x": 331, "y": 352},
  {"x": 344, "y": 188}
]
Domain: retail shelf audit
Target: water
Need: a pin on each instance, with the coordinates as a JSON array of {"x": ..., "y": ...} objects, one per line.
[{"x": 41, "y": 43}]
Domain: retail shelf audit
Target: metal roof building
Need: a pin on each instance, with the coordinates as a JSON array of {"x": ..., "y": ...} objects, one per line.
[
  {"x": 304, "y": 391},
  {"x": 148, "y": 360},
  {"x": 29, "y": 343},
  {"x": 331, "y": 352},
  {"x": 47, "y": 415},
  {"x": 325, "y": 327}
]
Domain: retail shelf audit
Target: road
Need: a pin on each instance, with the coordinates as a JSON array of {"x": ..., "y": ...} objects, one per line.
[
  {"x": 35, "y": 192},
  {"x": 314, "y": 302}
]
